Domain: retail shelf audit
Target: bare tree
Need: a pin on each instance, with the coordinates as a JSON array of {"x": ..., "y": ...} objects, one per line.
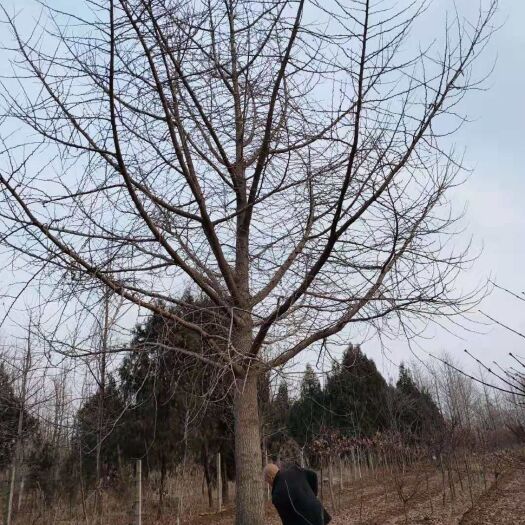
[
  {"x": 512, "y": 378},
  {"x": 23, "y": 399},
  {"x": 286, "y": 158},
  {"x": 509, "y": 380},
  {"x": 103, "y": 325},
  {"x": 26, "y": 367}
]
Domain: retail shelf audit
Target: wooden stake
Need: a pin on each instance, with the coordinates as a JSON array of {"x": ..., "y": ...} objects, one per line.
[
  {"x": 138, "y": 494},
  {"x": 11, "y": 494},
  {"x": 20, "y": 494},
  {"x": 331, "y": 484},
  {"x": 219, "y": 483},
  {"x": 268, "y": 493}
]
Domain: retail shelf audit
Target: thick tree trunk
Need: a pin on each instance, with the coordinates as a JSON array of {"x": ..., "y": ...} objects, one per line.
[{"x": 249, "y": 501}]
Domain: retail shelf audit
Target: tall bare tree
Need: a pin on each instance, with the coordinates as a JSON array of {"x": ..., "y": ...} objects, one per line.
[{"x": 287, "y": 158}]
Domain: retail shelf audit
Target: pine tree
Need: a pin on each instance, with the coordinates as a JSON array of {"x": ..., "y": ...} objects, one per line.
[
  {"x": 87, "y": 430},
  {"x": 281, "y": 403},
  {"x": 307, "y": 414},
  {"x": 416, "y": 414},
  {"x": 355, "y": 395},
  {"x": 10, "y": 405},
  {"x": 178, "y": 405},
  {"x": 405, "y": 383},
  {"x": 276, "y": 429}
]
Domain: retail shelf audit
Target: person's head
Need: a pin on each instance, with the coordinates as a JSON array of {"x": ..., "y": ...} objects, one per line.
[{"x": 270, "y": 471}]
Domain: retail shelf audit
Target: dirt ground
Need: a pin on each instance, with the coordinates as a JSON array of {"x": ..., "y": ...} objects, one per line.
[
  {"x": 479, "y": 491},
  {"x": 504, "y": 503},
  {"x": 421, "y": 497}
]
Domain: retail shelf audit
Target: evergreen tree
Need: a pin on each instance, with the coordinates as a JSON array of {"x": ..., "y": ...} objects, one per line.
[
  {"x": 276, "y": 430},
  {"x": 89, "y": 426},
  {"x": 153, "y": 426},
  {"x": 416, "y": 414},
  {"x": 10, "y": 405},
  {"x": 307, "y": 413},
  {"x": 44, "y": 464},
  {"x": 178, "y": 405},
  {"x": 355, "y": 395}
]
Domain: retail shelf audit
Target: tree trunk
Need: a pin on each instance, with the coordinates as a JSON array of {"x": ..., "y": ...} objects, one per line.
[
  {"x": 249, "y": 501},
  {"x": 331, "y": 484},
  {"x": 207, "y": 475},
  {"x": 163, "y": 471},
  {"x": 225, "y": 488}
]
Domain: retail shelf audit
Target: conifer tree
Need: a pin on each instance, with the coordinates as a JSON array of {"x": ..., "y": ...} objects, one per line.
[
  {"x": 179, "y": 405},
  {"x": 278, "y": 419},
  {"x": 416, "y": 414},
  {"x": 10, "y": 405},
  {"x": 355, "y": 395},
  {"x": 307, "y": 413},
  {"x": 87, "y": 430}
]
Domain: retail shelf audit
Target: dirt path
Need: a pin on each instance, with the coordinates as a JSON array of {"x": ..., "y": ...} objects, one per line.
[{"x": 503, "y": 504}]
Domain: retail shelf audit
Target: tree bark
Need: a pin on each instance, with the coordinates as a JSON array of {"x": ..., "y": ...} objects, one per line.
[{"x": 249, "y": 501}]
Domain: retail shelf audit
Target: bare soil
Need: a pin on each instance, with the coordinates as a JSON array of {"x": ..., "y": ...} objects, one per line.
[
  {"x": 504, "y": 503},
  {"x": 422, "y": 496}
]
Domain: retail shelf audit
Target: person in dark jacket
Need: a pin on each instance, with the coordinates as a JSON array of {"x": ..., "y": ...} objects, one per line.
[{"x": 294, "y": 495}]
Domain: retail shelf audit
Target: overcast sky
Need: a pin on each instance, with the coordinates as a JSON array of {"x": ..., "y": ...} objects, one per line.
[
  {"x": 494, "y": 195},
  {"x": 495, "y": 217}
]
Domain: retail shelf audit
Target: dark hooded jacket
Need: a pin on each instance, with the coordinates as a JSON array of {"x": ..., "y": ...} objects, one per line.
[{"x": 294, "y": 495}]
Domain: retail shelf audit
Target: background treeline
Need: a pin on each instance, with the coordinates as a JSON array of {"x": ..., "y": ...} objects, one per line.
[
  {"x": 161, "y": 404},
  {"x": 355, "y": 401}
]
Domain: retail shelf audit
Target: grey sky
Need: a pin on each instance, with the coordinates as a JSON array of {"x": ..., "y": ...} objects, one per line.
[
  {"x": 494, "y": 142},
  {"x": 495, "y": 215}
]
